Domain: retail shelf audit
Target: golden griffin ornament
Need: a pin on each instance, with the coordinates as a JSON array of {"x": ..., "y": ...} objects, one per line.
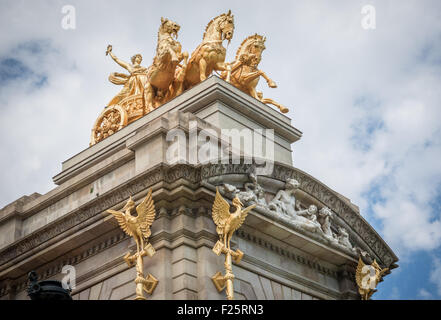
[
  {"x": 226, "y": 224},
  {"x": 138, "y": 227},
  {"x": 367, "y": 277}
]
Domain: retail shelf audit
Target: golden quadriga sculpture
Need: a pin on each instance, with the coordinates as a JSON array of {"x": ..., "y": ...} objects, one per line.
[
  {"x": 171, "y": 73},
  {"x": 245, "y": 74},
  {"x": 227, "y": 223},
  {"x": 367, "y": 278},
  {"x": 138, "y": 227}
]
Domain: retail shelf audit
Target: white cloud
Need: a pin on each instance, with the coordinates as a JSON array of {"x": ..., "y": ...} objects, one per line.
[{"x": 424, "y": 294}]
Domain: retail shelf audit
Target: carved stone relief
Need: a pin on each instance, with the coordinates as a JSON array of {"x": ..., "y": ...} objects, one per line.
[{"x": 284, "y": 204}]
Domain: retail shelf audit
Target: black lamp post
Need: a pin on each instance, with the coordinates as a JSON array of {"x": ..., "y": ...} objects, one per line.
[{"x": 47, "y": 289}]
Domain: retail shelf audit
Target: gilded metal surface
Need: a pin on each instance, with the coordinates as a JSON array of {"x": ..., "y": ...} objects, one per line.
[
  {"x": 367, "y": 277},
  {"x": 210, "y": 54},
  {"x": 145, "y": 89},
  {"x": 245, "y": 74},
  {"x": 165, "y": 75},
  {"x": 108, "y": 122},
  {"x": 138, "y": 227},
  {"x": 226, "y": 224}
]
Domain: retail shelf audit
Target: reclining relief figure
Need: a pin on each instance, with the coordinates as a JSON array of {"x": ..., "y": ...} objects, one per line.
[
  {"x": 254, "y": 193},
  {"x": 285, "y": 204},
  {"x": 285, "y": 201},
  {"x": 324, "y": 218},
  {"x": 343, "y": 239}
]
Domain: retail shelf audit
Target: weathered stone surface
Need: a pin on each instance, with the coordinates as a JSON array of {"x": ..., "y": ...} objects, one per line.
[{"x": 69, "y": 226}]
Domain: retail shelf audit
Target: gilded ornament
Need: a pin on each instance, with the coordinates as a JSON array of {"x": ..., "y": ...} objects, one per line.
[
  {"x": 172, "y": 72},
  {"x": 245, "y": 73},
  {"x": 226, "y": 224},
  {"x": 367, "y": 278},
  {"x": 138, "y": 227},
  {"x": 108, "y": 122},
  {"x": 210, "y": 54},
  {"x": 165, "y": 75}
]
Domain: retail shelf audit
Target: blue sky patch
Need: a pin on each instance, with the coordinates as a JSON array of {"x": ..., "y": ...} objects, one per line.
[{"x": 13, "y": 69}]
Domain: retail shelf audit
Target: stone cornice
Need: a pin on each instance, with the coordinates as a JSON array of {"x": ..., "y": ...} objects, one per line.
[
  {"x": 23, "y": 246},
  {"x": 157, "y": 240},
  {"x": 95, "y": 207}
]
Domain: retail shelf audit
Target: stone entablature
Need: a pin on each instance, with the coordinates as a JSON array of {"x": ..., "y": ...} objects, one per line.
[
  {"x": 349, "y": 216},
  {"x": 194, "y": 176}
]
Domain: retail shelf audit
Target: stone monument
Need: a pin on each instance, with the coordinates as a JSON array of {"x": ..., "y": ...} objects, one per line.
[{"x": 181, "y": 137}]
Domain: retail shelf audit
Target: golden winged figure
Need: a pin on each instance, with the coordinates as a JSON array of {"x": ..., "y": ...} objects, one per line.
[
  {"x": 226, "y": 224},
  {"x": 138, "y": 227},
  {"x": 225, "y": 221},
  {"x": 367, "y": 277}
]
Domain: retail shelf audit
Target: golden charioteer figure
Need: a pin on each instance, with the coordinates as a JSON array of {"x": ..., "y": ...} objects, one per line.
[
  {"x": 227, "y": 223},
  {"x": 138, "y": 227}
]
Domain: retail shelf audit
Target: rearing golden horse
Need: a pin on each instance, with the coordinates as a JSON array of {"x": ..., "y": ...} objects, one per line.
[
  {"x": 245, "y": 74},
  {"x": 210, "y": 54},
  {"x": 162, "y": 84}
]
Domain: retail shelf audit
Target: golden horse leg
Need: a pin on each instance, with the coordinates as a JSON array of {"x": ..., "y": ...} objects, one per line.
[
  {"x": 226, "y": 67},
  {"x": 270, "y": 82},
  {"x": 250, "y": 76},
  {"x": 149, "y": 93},
  {"x": 271, "y": 101},
  {"x": 202, "y": 69}
]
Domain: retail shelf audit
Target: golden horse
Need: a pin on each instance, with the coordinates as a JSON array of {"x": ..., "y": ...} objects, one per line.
[
  {"x": 162, "y": 83},
  {"x": 245, "y": 74},
  {"x": 210, "y": 54}
]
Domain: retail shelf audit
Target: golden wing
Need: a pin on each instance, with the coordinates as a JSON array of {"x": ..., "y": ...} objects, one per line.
[
  {"x": 121, "y": 217},
  {"x": 243, "y": 215},
  {"x": 378, "y": 271},
  {"x": 220, "y": 212},
  {"x": 359, "y": 274},
  {"x": 383, "y": 271},
  {"x": 146, "y": 214}
]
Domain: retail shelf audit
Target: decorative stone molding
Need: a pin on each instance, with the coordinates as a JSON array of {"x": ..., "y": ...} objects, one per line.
[
  {"x": 195, "y": 175},
  {"x": 319, "y": 191},
  {"x": 97, "y": 206},
  {"x": 285, "y": 253},
  {"x": 285, "y": 205},
  {"x": 56, "y": 268}
]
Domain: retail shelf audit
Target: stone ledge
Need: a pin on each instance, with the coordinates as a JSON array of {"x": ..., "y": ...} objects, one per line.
[{"x": 211, "y": 90}]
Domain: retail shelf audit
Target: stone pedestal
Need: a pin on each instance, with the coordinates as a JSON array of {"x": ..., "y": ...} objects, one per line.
[{"x": 69, "y": 225}]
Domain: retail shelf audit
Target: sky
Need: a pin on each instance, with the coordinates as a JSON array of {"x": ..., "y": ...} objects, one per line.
[{"x": 368, "y": 101}]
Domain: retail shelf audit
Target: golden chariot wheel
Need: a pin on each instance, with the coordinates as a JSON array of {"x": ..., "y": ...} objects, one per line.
[
  {"x": 110, "y": 120},
  {"x": 134, "y": 106}
]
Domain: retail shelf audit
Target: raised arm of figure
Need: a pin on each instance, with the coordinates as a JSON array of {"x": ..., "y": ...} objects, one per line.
[{"x": 123, "y": 64}]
